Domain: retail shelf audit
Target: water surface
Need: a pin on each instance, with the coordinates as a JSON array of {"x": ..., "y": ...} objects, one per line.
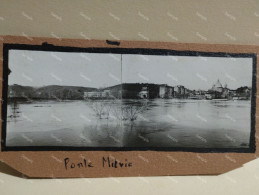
[{"x": 163, "y": 123}]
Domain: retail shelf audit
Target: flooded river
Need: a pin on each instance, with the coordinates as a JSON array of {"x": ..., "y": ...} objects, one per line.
[{"x": 159, "y": 123}]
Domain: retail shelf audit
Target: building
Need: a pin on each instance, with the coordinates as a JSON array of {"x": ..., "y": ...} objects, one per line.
[
  {"x": 137, "y": 90},
  {"x": 170, "y": 92},
  {"x": 243, "y": 93},
  {"x": 219, "y": 92},
  {"x": 162, "y": 91},
  {"x": 144, "y": 93},
  {"x": 97, "y": 94},
  {"x": 166, "y": 91},
  {"x": 208, "y": 96},
  {"x": 217, "y": 87},
  {"x": 180, "y": 91},
  {"x": 92, "y": 94},
  {"x": 106, "y": 93}
]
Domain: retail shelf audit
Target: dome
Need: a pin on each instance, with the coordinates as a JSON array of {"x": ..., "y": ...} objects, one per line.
[{"x": 218, "y": 84}]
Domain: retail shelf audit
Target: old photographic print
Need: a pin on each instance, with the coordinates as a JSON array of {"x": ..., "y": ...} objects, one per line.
[{"x": 130, "y": 101}]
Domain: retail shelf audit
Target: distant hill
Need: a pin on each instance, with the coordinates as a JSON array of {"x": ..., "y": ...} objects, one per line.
[
  {"x": 47, "y": 92},
  {"x": 19, "y": 91}
]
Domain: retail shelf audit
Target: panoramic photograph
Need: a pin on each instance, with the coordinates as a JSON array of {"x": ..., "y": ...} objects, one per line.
[{"x": 96, "y": 100}]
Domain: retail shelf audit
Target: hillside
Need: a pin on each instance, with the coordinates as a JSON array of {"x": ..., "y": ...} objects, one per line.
[{"x": 47, "y": 92}]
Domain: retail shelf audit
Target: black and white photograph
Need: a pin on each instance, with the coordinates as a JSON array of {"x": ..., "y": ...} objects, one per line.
[{"x": 124, "y": 100}]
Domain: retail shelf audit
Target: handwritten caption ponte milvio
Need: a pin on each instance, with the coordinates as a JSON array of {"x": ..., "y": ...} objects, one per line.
[{"x": 107, "y": 162}]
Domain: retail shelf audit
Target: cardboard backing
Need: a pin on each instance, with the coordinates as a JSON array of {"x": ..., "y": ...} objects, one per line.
[{"x": 50, "y": 164}]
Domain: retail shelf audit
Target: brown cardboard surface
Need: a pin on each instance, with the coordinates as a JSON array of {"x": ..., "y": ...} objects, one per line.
[{"x": 144, "y": 163}]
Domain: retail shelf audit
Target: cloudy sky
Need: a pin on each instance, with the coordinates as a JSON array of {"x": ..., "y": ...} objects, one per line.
[{"x": 38, "y": 68}]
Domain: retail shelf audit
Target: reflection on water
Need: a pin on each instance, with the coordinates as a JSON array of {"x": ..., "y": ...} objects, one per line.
[
  {"x": 130, "y": 123},
  {"x": 14, "y": 108}
]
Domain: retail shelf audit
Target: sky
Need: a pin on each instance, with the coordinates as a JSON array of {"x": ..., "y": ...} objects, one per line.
[
  {"x": 41, "y": 68},
  {"x": 191, "y": 71}
]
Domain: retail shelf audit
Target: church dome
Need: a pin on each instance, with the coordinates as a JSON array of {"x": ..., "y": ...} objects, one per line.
[{"x": 218, "y": 84}]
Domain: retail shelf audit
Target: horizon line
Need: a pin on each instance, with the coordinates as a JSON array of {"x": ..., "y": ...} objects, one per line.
[{"x": 116, "y": 85}]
